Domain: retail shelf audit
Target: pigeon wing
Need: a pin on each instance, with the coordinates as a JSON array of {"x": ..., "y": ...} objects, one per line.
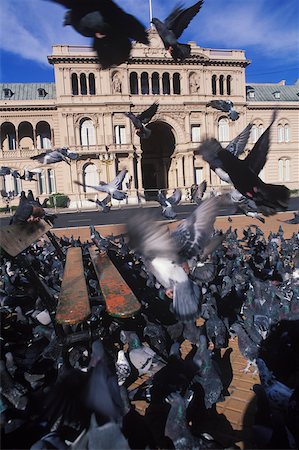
[
  {"x": 209, "y": 150},
  {"x": 182, "y": 17},
  {"x": 161, "y": 198},
  {"x": 175, "y": 198},
  {"x": 258, "y": 156},
  {"x": 112, "y": 50},
  {"x": 135, "y": 120},
  {"x": 221, "y": 105},
  {"x": 150, "y": 239},
  {"x": 237, "y": 145},
  {"x": 118, "y": 179},
  {"x": 149, "y": 113},
  {"x": 106, "y": 200}
]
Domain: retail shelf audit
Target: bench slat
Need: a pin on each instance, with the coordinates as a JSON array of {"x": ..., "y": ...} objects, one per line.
[
  {"x": 73, "y": 303},
  {"x": 119, "y": 298}
]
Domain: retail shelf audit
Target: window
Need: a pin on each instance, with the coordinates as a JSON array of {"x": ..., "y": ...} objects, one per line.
[
  {"x": 92, "y": 84},
  {"x": 144, "y": 83},
  {"x": 87, "y": 132},
  {"x": 283, "y": 133},
  {"x": 276, "y": 94},
  {"x": 198, "y": 175},
  {"x": 75, "y": 86},
  {"x": 8, "y": 136},
  {"x": 223, "y": 130},
  {"x": 195, "y": 133},
  {"x": 155, "y": 83},
  {"x": 41, "y": 182},
  {"x": 228, "y": 85},
  {"x": 83, "y": 84},
  {"x": 12, "y": 184},
  {"x": 42, "y": 92},
  {"x": 120, "y": 134},
  {"x": 176, "y": 83},
  {"x": 251, "y": 94},
  {"x": 90, "y": 177},
  {"x": 7, "y": 93},
  {"x": 284, "y": 169},
  {"x": 43, "y": 134},
  {"x": 214, "y": 86},
  {"x": 133, "y": 83},
  {"x": 51, "y": 181},
  {"x": 166, "y": 83},
  {"x": 221, "y": 84}
]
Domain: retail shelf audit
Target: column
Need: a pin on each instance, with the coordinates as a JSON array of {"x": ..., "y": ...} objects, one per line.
[
  {"x": 171, "y": 83},
  {"x": 189, "y": 170},
  {"x": 139, "y": 173},
  {"x": 179, "y": 160}
]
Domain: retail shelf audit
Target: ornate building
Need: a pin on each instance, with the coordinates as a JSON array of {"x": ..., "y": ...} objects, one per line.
[{"x": 84, "y": 110}]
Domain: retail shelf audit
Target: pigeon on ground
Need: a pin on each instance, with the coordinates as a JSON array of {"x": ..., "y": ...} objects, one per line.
[
  {"x": 55, "y": 156},
  {"x": 160, "y": 256},
  {"x": 110, "y": 27},
  {"x": 104, "y": 204},
  {"x": 142, "y": 119},
  {"x": 269, "y": 198},
  {"x": 111, "y": 188},
  {"x": 26, "y": 211},
  {"x": 172, "y": 28},
  {"x": 226, "y": 106},
  {"x": 167, "y": 203},
  {"x": 102, "y": 243},
  {"x": 197, "y": 192},
  {"x": 294, "y": 220}
]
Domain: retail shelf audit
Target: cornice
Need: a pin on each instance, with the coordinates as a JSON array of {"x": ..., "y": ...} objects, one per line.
[{"x": 28, "y": 108}]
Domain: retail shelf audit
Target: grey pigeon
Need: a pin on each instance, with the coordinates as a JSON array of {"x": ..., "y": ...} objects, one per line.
[
  {"x": 172, "y": 28},
  {"x": 225, "y": 106},
  {"x": 104, "y": 204},
  {"x": 167, "y": 203},
  {"x": 197, "y": 192},
  {"x": 55, "y": 156},
  {"x": 160, "y": 256},
  {"x": 110, "y": 27},
  {"x": 111, "y": 188},
  {"x": 28, "y": 174},
  {"x": 142, "y": 119}
]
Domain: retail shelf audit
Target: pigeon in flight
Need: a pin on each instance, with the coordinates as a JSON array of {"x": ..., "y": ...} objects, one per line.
[
  {"x": 172, "y": 28},
  {"x": 168, "y": 203},
  {"x": 28, "y": 174},
  {"x": 142, "y": 119},
  {"x": 111, "y": 188},
  {"x": 269, "y": 198},
  {"x": 226, "y": 106},
  {"x": 55, "y": 156},
  {"x": 104, "y": 204},
  {"x": 160, "y": 256},
  {"x": 110, "y": 27},
  {"x": 197, "y": 192}
]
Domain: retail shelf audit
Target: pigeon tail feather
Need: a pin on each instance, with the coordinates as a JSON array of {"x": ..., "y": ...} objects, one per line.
[{"x": 186, "y": 301}]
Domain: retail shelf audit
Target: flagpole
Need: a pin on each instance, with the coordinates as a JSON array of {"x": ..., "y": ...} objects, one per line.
[{"x": 150, "y": 12}]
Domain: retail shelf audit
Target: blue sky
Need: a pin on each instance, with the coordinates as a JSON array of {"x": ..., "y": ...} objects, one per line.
[{"x": 266, "y": 29}]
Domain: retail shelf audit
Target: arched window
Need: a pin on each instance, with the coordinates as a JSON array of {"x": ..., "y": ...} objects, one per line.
[
  {"x": 92, "y": 84},
  {"x": 75, "y": 86},
  {"x": 166, "y": 83},
  {"x": 176, "y": 83},
  {"x": 144, "y": 83},
  {"x": 133, "y": 83},
  {"x": 221, "y": 84},
  {"x": 256, "y": 131},
  {"x": 155, "y": 83},
  {"x": 43, "y": 134},
  {"x": 90, "y": 176},
  {"x": 214, "y": 84},
  {"x": 223, "y": 130},
  {"x": 283, "y": 133},
  {"x": 228, "y": 85},
  {"x": 83, "y": 84},
  {"x": 8, "y": 136},
  {"x": 284, "y": 169},
  {"x": 87, "y": 132},
  {"x": 261, "y": 129},
  {"x": 25, "y": 132}
]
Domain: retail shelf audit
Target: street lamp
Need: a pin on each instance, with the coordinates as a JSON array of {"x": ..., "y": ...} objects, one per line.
[{"x": 107, "y": 158}]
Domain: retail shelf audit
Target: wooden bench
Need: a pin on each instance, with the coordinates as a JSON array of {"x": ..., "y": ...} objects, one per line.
[
  {"x": 120, "y": 301},
  {"x": 73, "y": 302}
]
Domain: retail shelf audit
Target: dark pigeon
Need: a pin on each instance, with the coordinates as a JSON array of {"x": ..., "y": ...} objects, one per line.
[
  {"x": 143, "y": 119},
  {"x": 226, "y": 106}
]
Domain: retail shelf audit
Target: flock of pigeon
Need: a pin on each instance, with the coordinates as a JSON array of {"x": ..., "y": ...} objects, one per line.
[{"x": 77, "y": 390}]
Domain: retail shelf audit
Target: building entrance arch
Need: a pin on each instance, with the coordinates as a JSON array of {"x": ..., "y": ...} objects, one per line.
[{"x": 156, "y": 158}]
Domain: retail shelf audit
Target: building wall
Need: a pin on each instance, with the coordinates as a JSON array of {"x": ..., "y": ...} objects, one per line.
[{"x": 107, "y": 95}]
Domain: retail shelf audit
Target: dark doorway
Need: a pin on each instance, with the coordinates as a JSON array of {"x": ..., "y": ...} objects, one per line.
[{"x": 157, "y": 151}]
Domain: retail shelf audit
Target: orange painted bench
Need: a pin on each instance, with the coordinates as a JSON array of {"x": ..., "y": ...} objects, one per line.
[
  {"x": 120, "y": 301},
  {"x": 73, "y": 302}
]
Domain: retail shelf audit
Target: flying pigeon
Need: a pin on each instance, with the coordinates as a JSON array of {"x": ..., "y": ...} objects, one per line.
[
  {"x": 104, "y": 204},
  {"x": 197, "y": 192},
  {"x": 226, "y": 106},
  {"x": 172, "y": 28},
  {"x": 111, "y": 188},
  {"x": 28, "y": 174},
  {"x": 168, "y": 203},
  {"x": 160, "y": 256},
  {"x": 269, "y": 198},
  {"x": 110, "y": 27},
  {"x": 55, "y": 156},
  {"x": 142, "y": 119}
]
